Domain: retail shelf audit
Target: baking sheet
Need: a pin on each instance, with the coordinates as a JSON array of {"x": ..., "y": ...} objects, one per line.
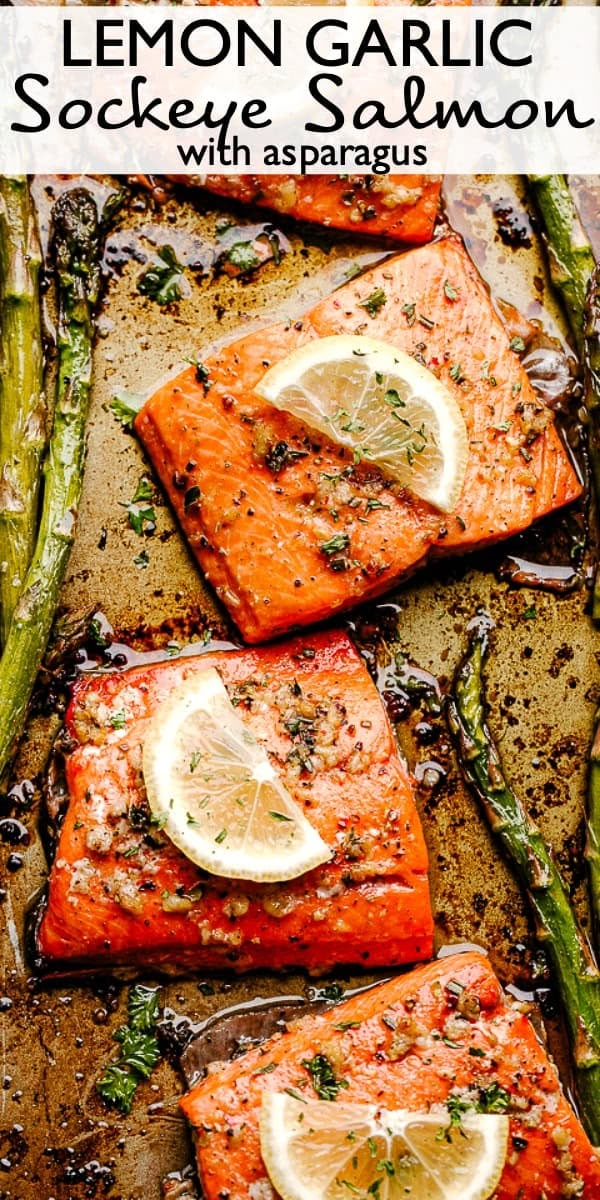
[{"x": 57, "y": 1139}]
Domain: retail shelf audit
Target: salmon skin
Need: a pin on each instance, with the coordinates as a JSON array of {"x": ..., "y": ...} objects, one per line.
[
  {"x": 264, "y": 502},
  {"x": 402, "y": 207},
  {"x": 444, "y": 1030},
  {"x": 121, "y": 893}
]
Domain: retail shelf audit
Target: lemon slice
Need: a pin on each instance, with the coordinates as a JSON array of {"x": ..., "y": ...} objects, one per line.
[
  {"x": 212, "y": 788},
  {"x": 381, "y": 404},
  {"x": 321, "y": 1150}
]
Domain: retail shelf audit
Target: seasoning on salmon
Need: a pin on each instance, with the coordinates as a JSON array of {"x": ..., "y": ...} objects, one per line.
[
  {"x": 442, "y": 1035},
  {"x": 287, "y": 528},
  {"x": 121, "y": 893},
  {"x": 402, "y": 207}
]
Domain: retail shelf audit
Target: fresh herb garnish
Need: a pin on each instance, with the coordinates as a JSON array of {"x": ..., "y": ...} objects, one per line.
[
  {"x": 243, "y": 256},
  {"x": 139, "y": 1050},
  {"x": 517, "y": 344},
  {"x": 450, "y": 292},
  {"x": 410, "y": 312},
  {"x": 97, "y": 636},
  {"x": 485, "y": 374},
  {"x": 493, "y": 1099},
  {"x": 162, "y": 283},
  {"x": 125, "y": 406},
  {"x": 202, "y": 373},
  {"x": 323, "y": 1076},
  {"x": 141, "y": 560},
  {"x": 266, "y": 1070},
  {"x": 393, "y": 399},
  {"x": 117, "y": 1087},
  {"x": 140, "y": 512},
  {"x": 372, "y": 504},
  {"x": 143, "y": 1010},
  {"x": 118, "y": 719},
  {"x": 335, "y": 545},
  {"x": 374, "y": 302}
]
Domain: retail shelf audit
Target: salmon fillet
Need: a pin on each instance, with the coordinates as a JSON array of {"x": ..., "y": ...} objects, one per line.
[
  {"x": 442, "y": 1030},
  {"x": 121, "y": 893},
  {"x": 403, "y": 207},
  {"x": 264, "y": 502}
]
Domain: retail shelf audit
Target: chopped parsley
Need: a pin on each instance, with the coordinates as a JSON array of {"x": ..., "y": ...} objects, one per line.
[
  {"x": 456, "y": 373},
  {"x": 243, "y": 256},
  {"x": 125, "y": 406},
  {"x": 393, "y": 399},
  {"x": 143, "y": 1008},
  {"x": 336, "y": 544},
  {"x": 139, "y": 1050},
  {"x": 141, "y": 513},
  {"x": 266, "y": 1070},
  {"x": 517, "y": 344},
  {"x": 221, "y": 836},
  {"x": 323, "y": 1077},
  {"x": 485, "y": 374},
  {"x": 374, "y": 302},
  {"x": 279, "y": 816},
  {"x": 410, "y": 312},
  {"x": 450, "y": 292},
  {"x": 141, "y": 560},
  {"x": 493, "y": 1099},
  {"x": 202, "y": 373},
  {"x": 162, "y": 281},
  {"x": 118, "y": 719}
]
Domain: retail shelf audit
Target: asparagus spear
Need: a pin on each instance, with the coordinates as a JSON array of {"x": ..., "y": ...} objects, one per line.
[
  {"x": 592, "y": 335},
  {"x": 76, "y": 246},
  {"x": 575, "y": 970},
  {"x": 22, "y": 406},
  {"x": 575, "y": 274},
  {"x": 571, "y": 256},
  {"x": 572, "y": 265}
]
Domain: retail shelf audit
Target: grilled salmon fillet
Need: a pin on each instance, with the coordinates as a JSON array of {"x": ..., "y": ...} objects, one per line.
[
  {"x": 442, "y": 1030},
  {"x": 262, "y": 499},
  {"x": 402, "y": 207},
  {"x": 121, "y": 893}
]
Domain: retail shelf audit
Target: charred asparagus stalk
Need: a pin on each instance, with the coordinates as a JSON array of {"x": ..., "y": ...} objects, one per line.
[
  {"x": 575, "y": 971},
  {"x": 76, "y": 247},
  {"x": 592, "y": 333},
  {"x": 571, "y": 256},
  {"x": 572, "y": 265},
  {"x": 22, "y": 406}
]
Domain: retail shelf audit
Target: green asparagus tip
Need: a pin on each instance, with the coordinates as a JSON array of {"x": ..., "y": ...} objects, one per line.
[{"x": 76, "y": 243}]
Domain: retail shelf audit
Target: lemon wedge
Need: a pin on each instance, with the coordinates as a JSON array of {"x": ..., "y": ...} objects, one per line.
[
  {"x": 213, "y": 790},
  {"x": 382, "y": 405},
  {"x": 323, "y": 1150}
]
